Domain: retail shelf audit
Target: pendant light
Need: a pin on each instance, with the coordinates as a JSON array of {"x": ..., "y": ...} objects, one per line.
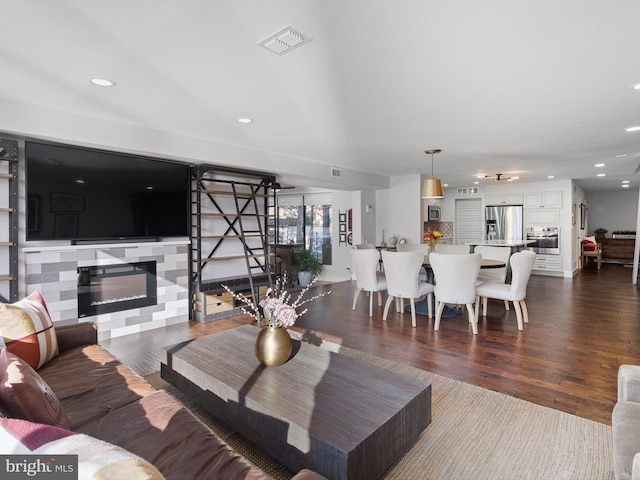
[{"x": 432, "y": 186}]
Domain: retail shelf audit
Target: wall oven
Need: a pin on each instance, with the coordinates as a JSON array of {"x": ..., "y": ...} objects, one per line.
[{"x": 545, "y": 240}]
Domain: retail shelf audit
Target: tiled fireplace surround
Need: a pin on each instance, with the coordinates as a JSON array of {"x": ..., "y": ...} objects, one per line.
[{"x": 54, "y": 271}]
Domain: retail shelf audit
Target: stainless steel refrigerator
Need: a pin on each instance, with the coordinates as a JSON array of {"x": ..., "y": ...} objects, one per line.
[{"x": 504, "y": 223}]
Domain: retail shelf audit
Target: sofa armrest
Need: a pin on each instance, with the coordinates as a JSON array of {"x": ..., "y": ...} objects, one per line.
[
  {"x": 307, "y": 475},
  {"x": 70, "y": 336},
  {"x": 629, "y": 383}
]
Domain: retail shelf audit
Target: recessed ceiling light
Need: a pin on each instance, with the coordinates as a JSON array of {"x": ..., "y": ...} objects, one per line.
[
  {"x": 79, "y": 181},
  {"x": 602, "y": 174},
  {"x": 149, "y": 187},
  {"x": 635, "y": 128},
  {"x": 480, "y": 176},
  {"x": 549, "y": 176},
  {"x": 626, "y": 185},
  {"x": 636, "y": 86},
  {"x": 622, "y": 155},
  {"x": 625, "y": 181},
  {"x": 245, "y": 120},
  {"x": 476, "y": 183},
  {"x": 515, "y": 178},
  {"x": 599, "y": 165},
  {"x": 445, "y": 185},
  {"x": 103, "y": 82}
]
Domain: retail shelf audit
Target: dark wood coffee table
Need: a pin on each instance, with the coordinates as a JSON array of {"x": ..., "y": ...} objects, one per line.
[{"x": 341, "y": 417}]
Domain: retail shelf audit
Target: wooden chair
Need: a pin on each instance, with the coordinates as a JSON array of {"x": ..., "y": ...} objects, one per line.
[{"x": 591, "y": 251}]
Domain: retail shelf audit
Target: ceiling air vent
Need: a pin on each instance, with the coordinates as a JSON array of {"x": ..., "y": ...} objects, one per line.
[
  {"x": 283, "y": 41},
  {"x": 336, "y": 173}
]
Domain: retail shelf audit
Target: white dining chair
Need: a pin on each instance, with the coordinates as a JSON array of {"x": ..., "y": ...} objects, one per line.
[
  {"x": 521, "y": 266},
  {"x": 455, "y": 282},
  {"x": 368, "y": 278},
  {"x": 498, "y": 275},
  {"x": 452, "y": 249},
  {"x": 501, "y": 254},
  {"x": 416, "y": 247},
  {"x": 401, "y": 270}
]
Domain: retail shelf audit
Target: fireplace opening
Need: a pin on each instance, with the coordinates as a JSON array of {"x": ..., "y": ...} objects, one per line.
[{"x": 113, "y": 288}]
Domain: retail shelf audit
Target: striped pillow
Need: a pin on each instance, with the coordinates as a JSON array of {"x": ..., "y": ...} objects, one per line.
[
  {"x": 26, "y": 329},
  {"x": 96, "y": 459}
]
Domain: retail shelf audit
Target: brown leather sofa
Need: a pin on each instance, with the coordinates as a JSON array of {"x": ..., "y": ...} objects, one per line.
[{"x": 105, "y": 399}]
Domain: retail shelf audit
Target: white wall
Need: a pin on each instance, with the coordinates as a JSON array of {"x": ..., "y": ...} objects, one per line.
[
  {"x": 399, "y": 209},
  {"x": 612, "y": 210},
  {"x": 340, "y": 256},
  {"x": 21, "y": 121}
]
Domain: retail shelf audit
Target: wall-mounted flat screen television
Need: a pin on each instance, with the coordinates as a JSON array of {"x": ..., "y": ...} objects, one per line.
[{"x": 82, "y": 194}]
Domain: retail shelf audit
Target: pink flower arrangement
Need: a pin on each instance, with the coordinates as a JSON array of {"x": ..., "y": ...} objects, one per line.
[{"x": 276, "y": 309}]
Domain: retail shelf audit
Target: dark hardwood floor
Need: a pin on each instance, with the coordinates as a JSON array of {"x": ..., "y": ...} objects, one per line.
[{"x": 580, "y": 331}]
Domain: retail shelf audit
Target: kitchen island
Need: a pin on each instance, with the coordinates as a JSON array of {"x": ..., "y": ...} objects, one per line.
[{"x": 515, "y": 246}]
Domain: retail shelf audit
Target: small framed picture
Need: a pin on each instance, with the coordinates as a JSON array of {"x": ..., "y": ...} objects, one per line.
[{"x": 66, "y": 202}]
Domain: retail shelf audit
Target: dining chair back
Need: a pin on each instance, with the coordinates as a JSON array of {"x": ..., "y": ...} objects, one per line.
[
  {"x": 365, "y": 265},
  {"x": 494, "y": 253},
  {"x": 365, "y": 246},
  {"x": 401, "y": 270},
  {"x": 413, "y": 247},
  {"x": 455, "y": 282},
  {"x": 452, "y": 249},
  {"x": 521, "y": 267},
  {"x": 416, "y": 247}
]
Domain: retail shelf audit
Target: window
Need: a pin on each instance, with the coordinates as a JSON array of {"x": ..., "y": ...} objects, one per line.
[{"x": 306, "y": 220}]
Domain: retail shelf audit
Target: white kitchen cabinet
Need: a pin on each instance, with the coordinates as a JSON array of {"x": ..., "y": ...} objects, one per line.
[
  {"x": 547, "y": 217},
  {"x": 550, "y": 199},
  {"x": 503, "y": 199},
  {"x": 548, "y": 262}
]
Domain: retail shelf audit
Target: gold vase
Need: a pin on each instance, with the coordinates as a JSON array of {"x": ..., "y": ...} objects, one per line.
[{"x": 273, "y": 346}]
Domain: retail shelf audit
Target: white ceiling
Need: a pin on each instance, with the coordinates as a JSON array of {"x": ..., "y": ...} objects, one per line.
[{"x": 529, "y": 87}]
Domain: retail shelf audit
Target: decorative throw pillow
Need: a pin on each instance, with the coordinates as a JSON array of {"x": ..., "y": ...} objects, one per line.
[
  {"x": 26, "y": 395},
  {"x": 96, "y": 459},
  {"x": 588, "y": 246},
  {"x": 27, "y": 330}
]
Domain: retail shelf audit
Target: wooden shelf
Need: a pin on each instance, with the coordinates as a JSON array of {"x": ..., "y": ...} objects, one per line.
[
  {"x": 229, "y": 257},
  {"x": 6, "y": 176},
  {"x": 242, "y": 195},
  {"x": 6, "y": 278},
  {"x": 230, "y": 236},
  {"x": 6, "y": 210},
  {"x": 228, "y": 215}
]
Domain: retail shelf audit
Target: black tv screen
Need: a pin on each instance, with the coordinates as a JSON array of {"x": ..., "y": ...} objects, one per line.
[{"x": 77, "y": 193}]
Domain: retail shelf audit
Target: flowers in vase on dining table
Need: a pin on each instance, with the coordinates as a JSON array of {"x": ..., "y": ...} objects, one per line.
[
  {"x": 432, "y": 238},
  {"x": 277, "y": 309}
]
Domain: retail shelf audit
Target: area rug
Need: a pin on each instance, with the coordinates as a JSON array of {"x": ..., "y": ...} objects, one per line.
[{"x": 475, "y": 434}]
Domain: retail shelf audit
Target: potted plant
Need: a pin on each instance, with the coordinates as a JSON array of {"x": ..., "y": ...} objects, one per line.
[
  {"x": 308, "y": 266},
  {"x": 600, "y": 232}
]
